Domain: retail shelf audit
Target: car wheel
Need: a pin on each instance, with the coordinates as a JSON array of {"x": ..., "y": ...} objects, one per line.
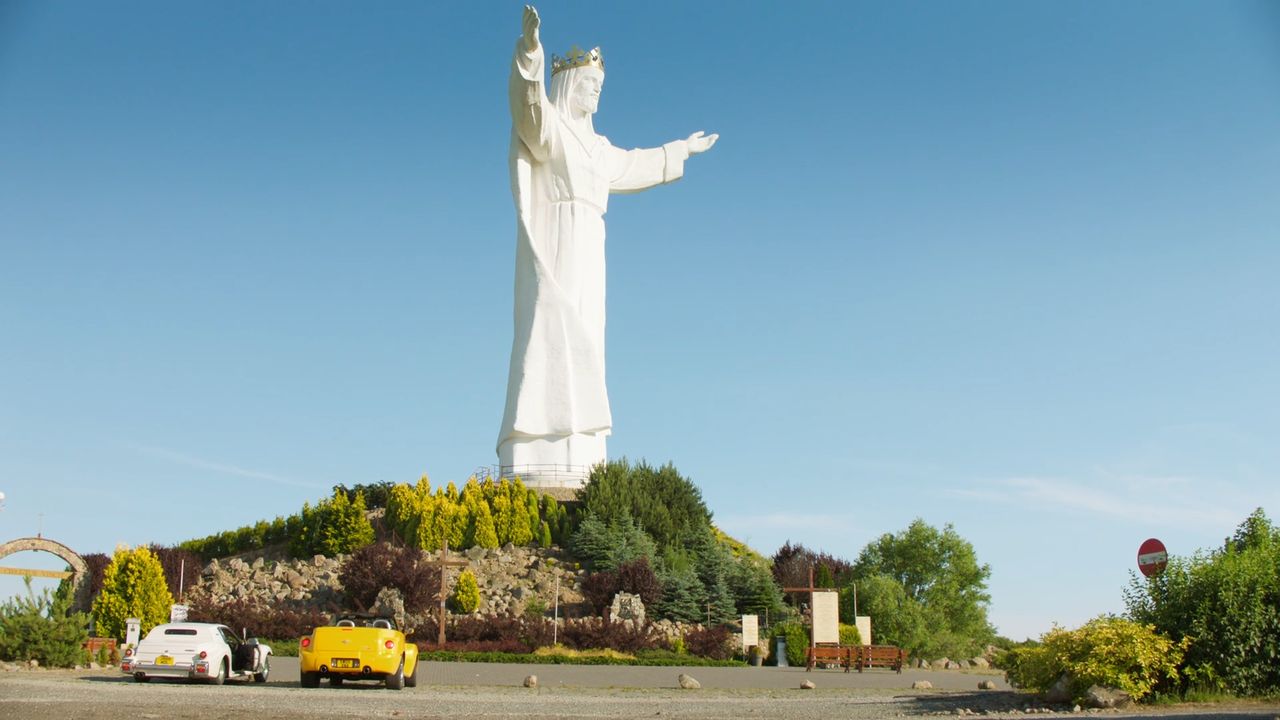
[
  {"x": 221, "y": 677},
  {"x": 411, "y": 680},
  {"x": 261, "y": 677},
  {"x": 310, "y": 680},
  {"x": 335, "y": 681},
  {"x": 395, "y": 681},
  {"x": 139, "y": 677}
]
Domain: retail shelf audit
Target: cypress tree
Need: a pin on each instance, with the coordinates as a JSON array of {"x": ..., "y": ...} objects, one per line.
[
  {"x": 133, "y": 585},
  {"x": 485, "y": 535},
  {"x": 502, "y": 517}
]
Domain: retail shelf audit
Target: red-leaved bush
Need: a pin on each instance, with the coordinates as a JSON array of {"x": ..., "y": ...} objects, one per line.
[
  {"x": 712, "y": 642},
  {"x": 257, "y": 619},
  {"x": 368, "y": 570}
]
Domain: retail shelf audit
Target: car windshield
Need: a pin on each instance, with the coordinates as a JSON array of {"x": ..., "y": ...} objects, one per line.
[
  {"x": 174, "y": 633},
  {"x": 382, "y": 623}
]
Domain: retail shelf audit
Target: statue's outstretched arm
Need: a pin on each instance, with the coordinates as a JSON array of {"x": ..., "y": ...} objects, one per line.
[
  {"x": 700, "y": 143},
  {"x": 635, "y": 170}
]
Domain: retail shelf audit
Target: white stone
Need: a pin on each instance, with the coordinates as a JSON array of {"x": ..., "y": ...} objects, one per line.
[
  {"x": 557, "y": 413},
  {"x": 687, "y": 682}
]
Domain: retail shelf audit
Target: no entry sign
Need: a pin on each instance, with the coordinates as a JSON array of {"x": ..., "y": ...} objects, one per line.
[{"x": 1152, "y": 557}]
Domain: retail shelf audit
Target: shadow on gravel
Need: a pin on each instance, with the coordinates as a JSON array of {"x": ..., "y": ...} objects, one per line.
[
  {"x": 977, "y": 702},
  {"x": 1008, "y": 702}
]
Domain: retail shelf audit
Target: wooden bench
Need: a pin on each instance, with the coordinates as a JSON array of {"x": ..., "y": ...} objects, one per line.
[
  {"x": 887, "y": 656},
  {"x": 843, "y": 656}
]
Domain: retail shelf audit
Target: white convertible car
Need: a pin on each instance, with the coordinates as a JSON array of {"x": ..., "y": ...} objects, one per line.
[{"x": 197, "y": 651}]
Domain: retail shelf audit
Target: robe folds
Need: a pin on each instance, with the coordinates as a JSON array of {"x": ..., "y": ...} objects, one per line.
[{"x": 562, "y": 173}]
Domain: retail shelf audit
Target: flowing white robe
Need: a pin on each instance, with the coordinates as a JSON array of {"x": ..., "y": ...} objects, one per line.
[{"x": 557, "y": 409}]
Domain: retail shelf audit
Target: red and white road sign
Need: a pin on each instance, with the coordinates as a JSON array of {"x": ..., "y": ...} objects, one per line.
[{"x": 1152, "y": 557}]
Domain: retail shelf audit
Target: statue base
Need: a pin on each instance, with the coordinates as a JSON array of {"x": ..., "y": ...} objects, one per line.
[{"x": 555, "y": 461}]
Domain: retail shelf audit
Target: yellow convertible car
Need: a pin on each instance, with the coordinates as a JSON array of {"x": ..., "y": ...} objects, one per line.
[{"x": 358, "y": 647}]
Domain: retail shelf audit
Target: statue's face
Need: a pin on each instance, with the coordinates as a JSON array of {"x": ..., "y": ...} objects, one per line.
[{"x": 586, "y": 94}]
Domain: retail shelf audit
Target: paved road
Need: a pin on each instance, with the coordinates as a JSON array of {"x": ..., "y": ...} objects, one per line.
[
  {"x": 492, "y": 692},
  {"x": 285, "y": 670}
]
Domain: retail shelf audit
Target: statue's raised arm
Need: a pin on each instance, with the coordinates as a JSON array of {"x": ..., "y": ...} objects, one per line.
[
  {"x": 530, "y": 108},
  {"x": 531, "y": 24}
]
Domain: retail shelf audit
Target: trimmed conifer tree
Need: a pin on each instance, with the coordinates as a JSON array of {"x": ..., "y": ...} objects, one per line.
[
  {"x": 485, "y": 536},
  {"x": 466, "y": 593},
  {"x": 345, "y": 526},
  {"x": 133, "y": 585},
  {"x": 502, "y": 517},
  {"x": 531, "y": 514}
]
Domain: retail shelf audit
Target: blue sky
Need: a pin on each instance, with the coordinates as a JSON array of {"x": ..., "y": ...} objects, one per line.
[{"x": 1005, "y": 265}]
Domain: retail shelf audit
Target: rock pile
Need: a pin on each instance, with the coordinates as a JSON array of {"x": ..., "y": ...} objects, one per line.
[
  {"x": 307, "y": 582},
  {"x": 511, "y": 579}
]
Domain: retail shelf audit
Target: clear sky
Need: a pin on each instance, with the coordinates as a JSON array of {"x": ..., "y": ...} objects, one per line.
[{"x": 1006, "y": 265}]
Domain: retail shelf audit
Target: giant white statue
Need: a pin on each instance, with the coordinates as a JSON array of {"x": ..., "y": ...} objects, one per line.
[{"x": 562, "y": 173}]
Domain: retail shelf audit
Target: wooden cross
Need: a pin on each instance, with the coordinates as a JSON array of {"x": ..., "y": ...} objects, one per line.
[
  {"x": 444, "y": 563},
  {"x": 811, "y": 590}
]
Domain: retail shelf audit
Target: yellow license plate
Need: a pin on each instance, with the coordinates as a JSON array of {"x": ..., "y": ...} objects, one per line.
[
  {"x": 345, "y": 663},
  {"x": 164, "y": 660}
]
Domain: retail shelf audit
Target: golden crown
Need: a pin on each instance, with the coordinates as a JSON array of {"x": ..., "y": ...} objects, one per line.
[{"x": 577, "y": 57}]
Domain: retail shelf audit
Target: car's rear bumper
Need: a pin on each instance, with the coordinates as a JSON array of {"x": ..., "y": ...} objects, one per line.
[
  {"x": 198, "y": 671},
  {"x": 368, "y": 667}
]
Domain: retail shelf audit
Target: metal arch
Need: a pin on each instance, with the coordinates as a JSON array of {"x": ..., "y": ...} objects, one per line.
[{"x": 79, "y": 569}]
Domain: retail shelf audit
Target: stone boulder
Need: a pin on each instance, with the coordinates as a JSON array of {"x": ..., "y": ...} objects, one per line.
[
  {"x": 1060, "y": 692},
  {"x": 687, "y": 682},
  {"x": 1105, "y": 698},
  {"x": 390, "y": 603}
]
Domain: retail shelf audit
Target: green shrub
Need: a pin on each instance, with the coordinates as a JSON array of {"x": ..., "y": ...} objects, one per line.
[
  {"x": 534, "y": 608},
  {"x": 284, "y": 647},
  {"x": 335, "y": 526},
  {"x": 604, "y": 545},
  {"x": 466, "y": 593},
  {"x": 39, "y": 627},
  {"x": 849, "y": 635},
  {"x": 1107, "y": 651},
  {"x": 797, "y": 639},
  {"x": 667, "y": 505}
]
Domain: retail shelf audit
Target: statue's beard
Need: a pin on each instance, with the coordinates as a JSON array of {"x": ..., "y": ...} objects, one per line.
[{"x": 564, "y": 85}]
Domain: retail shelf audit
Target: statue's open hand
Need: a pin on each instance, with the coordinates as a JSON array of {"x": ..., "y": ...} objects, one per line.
[
  {"x": 530, "y": 27},
  {"x": 700, "y": 143}
]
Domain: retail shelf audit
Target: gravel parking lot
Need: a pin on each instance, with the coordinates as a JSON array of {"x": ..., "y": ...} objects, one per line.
[{"x": 491, "y": 691}]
